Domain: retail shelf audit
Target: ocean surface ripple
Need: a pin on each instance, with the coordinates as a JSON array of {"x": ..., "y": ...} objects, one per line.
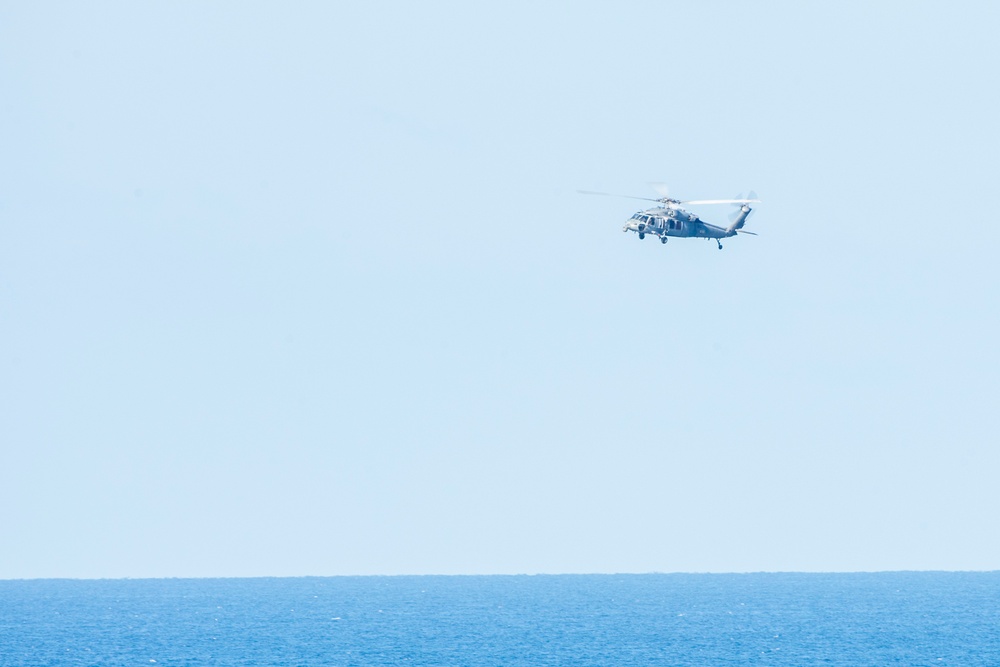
[{"x": 897, "y": 618}]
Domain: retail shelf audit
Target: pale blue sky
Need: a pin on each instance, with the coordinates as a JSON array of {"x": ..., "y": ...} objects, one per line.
[{"x": 293, "y": 288}]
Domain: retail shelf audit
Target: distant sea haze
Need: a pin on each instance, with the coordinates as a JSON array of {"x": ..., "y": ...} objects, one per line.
[{"x": 898, "y": 618}]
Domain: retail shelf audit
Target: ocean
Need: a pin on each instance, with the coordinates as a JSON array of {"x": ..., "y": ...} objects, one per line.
[{"x": 896, "y": 618}]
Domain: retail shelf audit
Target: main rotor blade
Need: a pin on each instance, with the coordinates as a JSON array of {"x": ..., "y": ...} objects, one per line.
[
  {"x": 612, "y": 194},
  {"x": 721, "y": 201}
]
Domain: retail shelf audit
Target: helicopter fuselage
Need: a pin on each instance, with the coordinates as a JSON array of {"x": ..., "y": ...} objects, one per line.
[
  {"x": 662, "y": 222},
  {"x": 671, "y": 220}
]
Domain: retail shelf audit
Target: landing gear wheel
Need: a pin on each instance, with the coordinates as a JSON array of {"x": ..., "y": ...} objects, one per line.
[
  {"x": 641, "y": 236},
  {"x": 663, "y": 239},
  {"x": 720, "y": 244}
]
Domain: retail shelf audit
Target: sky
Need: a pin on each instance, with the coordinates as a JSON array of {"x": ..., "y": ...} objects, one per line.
[{"x": 308, "y": 288}]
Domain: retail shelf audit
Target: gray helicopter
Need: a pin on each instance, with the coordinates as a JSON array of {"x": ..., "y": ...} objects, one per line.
[{"x": 669, "y": 219}]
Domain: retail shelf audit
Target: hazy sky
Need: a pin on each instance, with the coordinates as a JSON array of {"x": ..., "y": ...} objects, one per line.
[{"x": 307, "y": 288}]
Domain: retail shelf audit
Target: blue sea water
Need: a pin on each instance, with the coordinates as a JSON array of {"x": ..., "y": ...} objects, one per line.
[{"x": 901, "y": 618}]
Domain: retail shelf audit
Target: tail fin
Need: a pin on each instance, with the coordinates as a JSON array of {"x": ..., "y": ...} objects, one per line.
[{"x": 739, "y": 217}]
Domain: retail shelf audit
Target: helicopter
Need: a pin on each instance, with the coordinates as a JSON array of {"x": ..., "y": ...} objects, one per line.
[{"x": 670, "y": 219}]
